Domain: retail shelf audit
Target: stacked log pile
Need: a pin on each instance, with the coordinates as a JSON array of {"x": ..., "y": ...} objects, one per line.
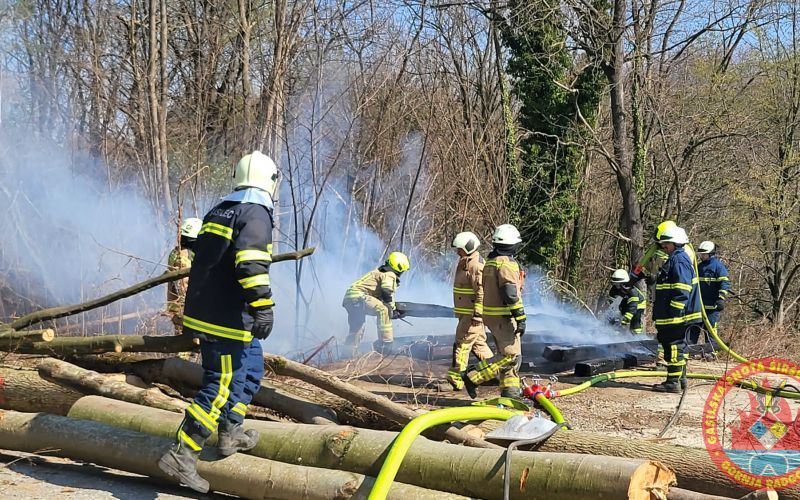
[{"x": 126, "y": 417}]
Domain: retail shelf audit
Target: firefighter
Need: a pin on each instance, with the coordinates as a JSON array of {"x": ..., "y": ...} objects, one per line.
[
  {"x": 714, "y": 288},
  {"x": 180, "y": 258},
  {"x": 229, "y": 308},
  {"x": 468, "y": 308},
  {"x": 503, "y": 314},
  {"x": 373, "y": 294},
  {"x": 676, "y": 307},
  {"x": 633, "y": 303}
]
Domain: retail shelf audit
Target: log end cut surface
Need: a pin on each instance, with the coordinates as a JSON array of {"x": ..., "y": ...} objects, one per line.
[{"x": 651, "y": 480}]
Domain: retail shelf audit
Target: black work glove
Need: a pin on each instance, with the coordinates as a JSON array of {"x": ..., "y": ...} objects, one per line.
[
  {"x": 398, "y": 314},
  {"x": 720, "y": 305},
  {"x": 520, "y": 328},
  {"x": 649, "y": 279},
  {"x": 263, "y": 319}
]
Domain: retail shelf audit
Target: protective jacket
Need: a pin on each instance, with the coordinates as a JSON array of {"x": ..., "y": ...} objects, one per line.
[
  {"x": 179, "y": 258},
  {"x": 714, "y": 282},
  {"x": 380, "y": 283},
  {"x": 468, "y": 286},
  {"x": 631, "y": 309},
  {"x": 502, "y": 287},
  {"x": 230, "y": 271},
  {"x": 677, "y": 300}
]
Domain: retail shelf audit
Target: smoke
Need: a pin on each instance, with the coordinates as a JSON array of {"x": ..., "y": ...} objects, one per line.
[{"x": 69, "y": 232}]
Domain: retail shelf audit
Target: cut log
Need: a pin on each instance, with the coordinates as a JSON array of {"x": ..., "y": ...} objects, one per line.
[
  {"x": 681, "y": 494},
  {"x": 582, "y": 352},
  {"x": 417, "y": 310},
  {"x": 592, "y": 367},
  {"x": 71, "y": 346},
  {"x": 89, "y": 382},
  {"x": 60, "y": 312},
  {"x": 24, "y": 390},
  {"x": 378, "y": 404},
  {"x": 242, "y": 475},
  {"x": 466, "y": 471},
  {"x": 692, "y": 466},
  {"x": 186, "y": 377},
  {"x": 45, "y": 335}
]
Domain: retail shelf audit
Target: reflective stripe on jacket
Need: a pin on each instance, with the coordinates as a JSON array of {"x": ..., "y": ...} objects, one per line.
[
  {"x": 677, "y": 297},
  {"x": 631, "y": 310},
  {"x": 377, "y": 283},
  {"x": 497, "y": 272},
  {"x": 230, "y": 270},
  {"x": 468, "y": 286}
]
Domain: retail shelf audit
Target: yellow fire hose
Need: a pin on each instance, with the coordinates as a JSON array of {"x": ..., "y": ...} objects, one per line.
[{"x": 414, "y": 428}]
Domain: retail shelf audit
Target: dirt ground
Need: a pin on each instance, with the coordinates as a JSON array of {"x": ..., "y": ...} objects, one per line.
[{"x": 625, "y": 407}]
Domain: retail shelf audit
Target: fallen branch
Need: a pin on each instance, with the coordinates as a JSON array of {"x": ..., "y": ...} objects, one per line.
[
  {"x": 242, "y": 475},
  {"x": 89, "y": 382},
  {"x": 378, "y": 404},
  {"x": 46, "y": 335},
  {"x": 98, "y": 344},
  {"x": 22, "y": 389},
  {"x": 471, "y": 472},
  {"x": 187, "y": 377},
  {"x": 60, "y": 312}
]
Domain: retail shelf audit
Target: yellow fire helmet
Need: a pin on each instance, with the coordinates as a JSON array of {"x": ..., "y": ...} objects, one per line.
[
  {"x": 664, "y": 226},
  {"x": 398, "y": 262}
]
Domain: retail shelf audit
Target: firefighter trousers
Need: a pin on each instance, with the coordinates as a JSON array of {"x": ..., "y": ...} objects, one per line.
[
  {"x": 698, "y": 330},
  {"x": 505, "y": 363},
  {"x": 673, "y": 341},
  {"x": 232, "y": 372},
  {"x": 469, "y": 338},
  {"x": 358, "y": 310}
]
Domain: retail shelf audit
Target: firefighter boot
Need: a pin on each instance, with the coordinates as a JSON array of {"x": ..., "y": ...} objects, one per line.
[
  {"x": 180, "y": 462},
  {"x": 469, "y": 385},
  {"x": 384, "y": 348},
  {"x": 511, "y": 392},
  {"x": 670, "y": 386},
  {"x": 233, "y": 438}
]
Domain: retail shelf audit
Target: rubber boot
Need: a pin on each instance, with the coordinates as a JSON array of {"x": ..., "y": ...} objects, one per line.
[
  {"x": 180, "y": 462},
  {"x": 670, "y": 386},
  {"x": 511, "y": 392},
  {"x": 469, "y": 385},
  {"x": 233, "y": 438}
]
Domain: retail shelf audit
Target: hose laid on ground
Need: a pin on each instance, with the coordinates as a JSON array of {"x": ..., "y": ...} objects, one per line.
[
  {"x": 745, "y": 384},
  {"x": 550, "y": 408},
  {"x": 419, "y": 424}
]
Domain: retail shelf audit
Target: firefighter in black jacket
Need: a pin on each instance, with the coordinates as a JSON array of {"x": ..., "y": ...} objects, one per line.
[
  {"x": 633, "y": 303},
  {"x": 229, "y": 308}
]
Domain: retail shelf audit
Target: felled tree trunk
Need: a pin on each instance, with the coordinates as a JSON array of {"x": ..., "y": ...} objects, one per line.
[
  {"x": 466, "y": 471},
  {"x": 693, "y": 467},
  {"x": 60, "y": 312},
  {"x": 24, "y": 390},
  {"x": 45, "y": 335},
  {"x": 242, "y": 475},
  {"x": 378, "y": 404},
  {"x": 71, "y": 346},
  {"x": 186, "y": 377},
  {"x": 89, "y": 382}
]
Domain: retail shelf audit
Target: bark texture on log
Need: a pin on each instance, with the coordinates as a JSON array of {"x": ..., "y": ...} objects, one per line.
[
  {"x": 60, "y": 312},
  {"x": 45, "y": 335},
  {"x": 681, "y": 494},
  {"x": 89, "y": 382},
  {"x": 24, "y": 390},
  {"x": 184, "y": 375},
  {"x": 466, "y": 471},
  {"x": 692, "y": 466},
  {"x": 241, "y": 475},
  {"x": 379, "y": 404},
  {"x": 98, "y": 344}
]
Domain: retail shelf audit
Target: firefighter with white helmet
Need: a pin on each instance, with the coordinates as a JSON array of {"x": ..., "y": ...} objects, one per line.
[
  {"x": 180, "y": 258},
  {"x": 468, "y": 307},
  {"x": 373, "y": 294},
  {"x": 715, "y": 287},
  {"x": 229, "y": 309},
  {"x": 676, "y": 307},
  {"x": 632, "y": 304},
  {"x": 503, "y": 314}
]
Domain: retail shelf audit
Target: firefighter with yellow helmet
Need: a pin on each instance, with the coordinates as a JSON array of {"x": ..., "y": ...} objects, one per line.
[
  {"x": 373, "y": 294},
  {"x": 468, "y": 307}
]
